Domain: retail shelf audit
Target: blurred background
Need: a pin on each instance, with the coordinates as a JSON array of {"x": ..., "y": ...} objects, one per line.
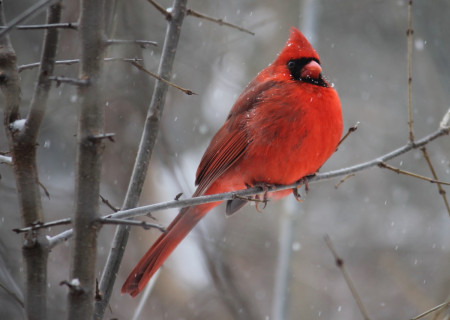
[{"x": 392, "y": 231}]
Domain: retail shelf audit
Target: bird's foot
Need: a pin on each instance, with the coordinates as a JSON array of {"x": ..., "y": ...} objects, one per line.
[
  {"x": 302, "y": 182},
  {"x": 265, "y": 198}
]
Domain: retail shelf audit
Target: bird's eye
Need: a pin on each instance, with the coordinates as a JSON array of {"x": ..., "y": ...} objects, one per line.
[{"x": 295, "y": 67}]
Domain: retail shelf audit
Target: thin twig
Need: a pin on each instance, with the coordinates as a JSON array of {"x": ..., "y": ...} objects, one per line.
[
  {"x": 40, "y": 225},
  {"x": 13, "y": 295},
  {"x": 142, "y": 43},
  {"x": 25, "y": 15},
  {"x": 73, "y": 61},
  {"x": 59, "y": 238},
  {"x": 140, "y": 67},
  {"x": 343, "y": 180},
  {"x": 5, "y": 159},
  {"x": 411, "y": 174},
  {"x": 445, "y": 122},
  {"x": 63, "y": 25},
  {"x": 409, "y": 34},
  {"x": 350, "y": 131},
  {"x": 143, "y": 224},
  {"x": 436, "y": 308},
  {"x": 340, "y": 264},
  {"x": 72, "y": 81},
  {"x": 101, "y": 136},
  {"x": 219, "y": 21},
  {"x": 163, "y": 11},
  {"x": 108, "y": 204},
  {"x": 433, "y": 172},
  {"x": 144, "y": 210},
  {"x": 44, "y": 189}
]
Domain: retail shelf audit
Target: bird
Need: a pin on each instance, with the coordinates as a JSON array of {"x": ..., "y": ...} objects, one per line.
[{"x": 283, "y": 127}]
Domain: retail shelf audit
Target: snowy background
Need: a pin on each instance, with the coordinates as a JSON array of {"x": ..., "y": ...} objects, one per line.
[{"x": 392, "y": 231}]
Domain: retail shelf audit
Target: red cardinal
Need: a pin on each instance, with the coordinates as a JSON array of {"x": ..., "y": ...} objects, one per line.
[{"x": 283, "y": 127}]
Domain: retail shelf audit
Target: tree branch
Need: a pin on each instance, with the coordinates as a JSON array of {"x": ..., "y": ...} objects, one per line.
[
  {"x": 141, "y": 67},
  {"x": 145, "y": 210},
  {"x": 74, "y": 61},
  {"x": 72, "y": 81},
  {"x": 433, "y": 172},
  {"x": 151, "y": 128},
  {"x": 89, "y": 159},
  {"x": 411, "y": 174},
  {"x": 25, "y": 15},
  {"x": 409, "y": 35},
  {"x": 5, "y": 159},
  {"x": 23, "y": 150},
  {"x": 64, "y": 25},
  {"x": 436, "y": 308},
  {"x": 143, "y": 224},
  {"x": 340, "y": 264},
  {"x": 219, "y": 21},
  {"x": 12, "y": 295},
  {"x": 163, "y": 11},
  {"x": 46, "y": 67},
  {"x": 349, "y": 132},
  {"x": 142, "y": 43},
  {"x": 41, "y": 225}
]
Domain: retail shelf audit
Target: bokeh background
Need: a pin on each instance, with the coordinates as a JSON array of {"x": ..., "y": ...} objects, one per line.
[{"x": 392, "y": 231}]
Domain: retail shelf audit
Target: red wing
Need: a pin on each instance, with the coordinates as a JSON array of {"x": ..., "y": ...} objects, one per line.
[
  {"x": 230, "y": 142},
  {"x": 225, "y": 148}
]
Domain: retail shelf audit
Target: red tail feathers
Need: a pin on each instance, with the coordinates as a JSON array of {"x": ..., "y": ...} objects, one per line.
[{"x": 163, "y": 247}]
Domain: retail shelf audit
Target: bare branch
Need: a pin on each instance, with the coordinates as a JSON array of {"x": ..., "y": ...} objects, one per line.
[
  {"x": 340, "y": 264},
  {"x": 142, "y": 43},
  {"x": 74, "y": 61},
  {"x": 445, "y": 122},
  {"x": 25, "y": 15},
  {"x": 343, "y": 180},
  {"x": 5, "y": 159},
  {"x": 282, "y": 271},
  {"x": 140, "y": 67},
  {"x": 72, "y": 81},
  {"x": 219, "y": 21},
  {"x": 411, "y": 174},
  {"x": 146, "y": 146},
  {"x": 108, "y": 204},
  {"x": 63, "y": 25},
  {"x": 145, "y": 210},
  {"x": 22, "y": 145},
  {"x": 59, "y": 238},
  {"x": 101, "y": 136},
  {"x": 433, "y": 172},
  {"x": 436, "y": 308},
  {"x": 349, "y": 132},
  {"x": 13, "y": 295},
  {"x": 41, "y": 91},
  {"x": 89, "y": 161},
  {"x": 163, "y": 11},
  {"x": 135, "y": 223},
  {"x": 47, "y": 194},
  {"x": 41, "y": 225},
  {"x": 409, "y": 34}
]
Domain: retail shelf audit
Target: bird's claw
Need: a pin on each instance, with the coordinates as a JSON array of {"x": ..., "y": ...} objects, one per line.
[
  {"x": 302, "y": 182},
  {"x": 265, "y": 199},
  {"x": 296, "y": 195}
]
